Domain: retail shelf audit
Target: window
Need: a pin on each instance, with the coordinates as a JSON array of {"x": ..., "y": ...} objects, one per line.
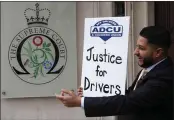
[{"x": 119, "y": 8}]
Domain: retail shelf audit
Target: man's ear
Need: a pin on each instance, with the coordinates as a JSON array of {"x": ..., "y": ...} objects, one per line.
[{"x": 159, "y": 52}]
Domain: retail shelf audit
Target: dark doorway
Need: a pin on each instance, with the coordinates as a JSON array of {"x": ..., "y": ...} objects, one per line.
[
  {"x": 164, "y": 16},
  {"x": 119, "y": 8}
]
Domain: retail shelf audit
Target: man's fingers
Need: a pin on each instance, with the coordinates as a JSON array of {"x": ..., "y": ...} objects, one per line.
[
  {"x": 72, "y": 90},
  {"x": 80, "y": 92},
  {"x": 80, "y": 89},
  {"x": 62, "y": 93},
  {"x": 67, "y": 92},
  {"x": 80, "y": 95},
  {"x": 60, "y": 97}
]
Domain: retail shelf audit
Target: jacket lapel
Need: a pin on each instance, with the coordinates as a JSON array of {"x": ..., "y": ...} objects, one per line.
[
  {"x": 133, "y": 84},
  {"x": 151, "y": 73}
]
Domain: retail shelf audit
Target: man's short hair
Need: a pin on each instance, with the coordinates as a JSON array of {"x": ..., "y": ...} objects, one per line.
[{"x": 157, "y": 35}]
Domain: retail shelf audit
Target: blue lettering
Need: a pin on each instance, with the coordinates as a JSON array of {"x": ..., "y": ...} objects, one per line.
[
  {"x": 109, "y": 29},
  {"x": 102, "y": 29},
  {"x": 117, "y": 29},
  {"x": 95, "y": 30}
]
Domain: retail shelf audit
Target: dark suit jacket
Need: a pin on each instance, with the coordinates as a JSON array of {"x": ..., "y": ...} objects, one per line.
[{"x": 152, "y": 99}]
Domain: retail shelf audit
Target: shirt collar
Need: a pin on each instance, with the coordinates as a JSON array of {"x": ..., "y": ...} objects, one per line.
[{"x": 151, "y": 67}]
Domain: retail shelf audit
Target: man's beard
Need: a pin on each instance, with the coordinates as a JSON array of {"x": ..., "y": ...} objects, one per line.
[{"x": 147, "y": 62}]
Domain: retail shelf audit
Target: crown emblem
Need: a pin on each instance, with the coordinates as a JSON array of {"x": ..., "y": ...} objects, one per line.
[{"x": 37, "y": 16}]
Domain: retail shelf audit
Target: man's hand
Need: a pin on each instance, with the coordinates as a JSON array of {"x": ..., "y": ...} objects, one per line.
[
  {"x": 80, "y": 92},
  {"x": 70, "y": 100}
]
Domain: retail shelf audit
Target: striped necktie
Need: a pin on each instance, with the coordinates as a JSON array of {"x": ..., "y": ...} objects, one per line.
[{"x": 141, "y": 76}]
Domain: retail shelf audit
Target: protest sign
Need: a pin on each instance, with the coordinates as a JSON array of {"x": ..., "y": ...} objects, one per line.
[{"x": 105, "y": 52}]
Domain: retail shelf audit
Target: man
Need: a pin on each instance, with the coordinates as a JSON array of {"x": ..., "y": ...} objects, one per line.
[{"x": 150, "y": 95}]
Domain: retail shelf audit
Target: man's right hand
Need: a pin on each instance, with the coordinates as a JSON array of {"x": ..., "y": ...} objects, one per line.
[{"x": 80, "y": 92}]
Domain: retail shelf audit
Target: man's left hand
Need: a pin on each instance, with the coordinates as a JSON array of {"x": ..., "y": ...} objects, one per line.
[{"x": 69, "y": 100}]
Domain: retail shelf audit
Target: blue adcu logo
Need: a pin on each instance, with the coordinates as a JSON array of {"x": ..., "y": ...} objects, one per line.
[{"x": 105, "y": 29}]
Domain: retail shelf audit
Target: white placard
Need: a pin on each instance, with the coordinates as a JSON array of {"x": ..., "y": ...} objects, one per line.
[{"x": 105, "y": 54}]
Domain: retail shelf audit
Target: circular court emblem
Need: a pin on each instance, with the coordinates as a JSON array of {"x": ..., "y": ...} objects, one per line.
[{"x": 37, "y": 54}]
